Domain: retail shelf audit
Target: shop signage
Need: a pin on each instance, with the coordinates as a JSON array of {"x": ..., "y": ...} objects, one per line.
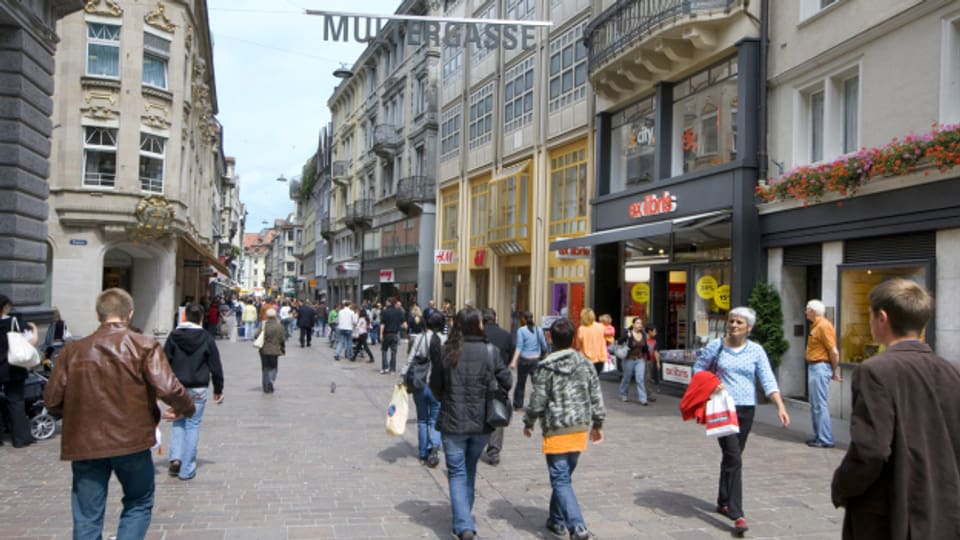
[
  {"x": 443, "y": 256},
  {"x": 479, "y": 257},
  {"x": 386, "y": 275},
  {"x": 677, "y": 373},
  {"x": 722, "y": 297},
  {"x": 312, "y": 283},
  {"x": 707, "y": 287},
  {"x": 417, "y": 30},
  {"x": 192, "y": 263},
  {"x": 654, "y": 204},
  {"x": 348, "y": 267},
  {"x": 640, "y": 293},
  {"x": 573, "y": 253},
  {"x": 77, "y": 242}
]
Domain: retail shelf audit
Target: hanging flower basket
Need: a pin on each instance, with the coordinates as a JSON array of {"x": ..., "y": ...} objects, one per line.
[{"x": 939, "y": 148}]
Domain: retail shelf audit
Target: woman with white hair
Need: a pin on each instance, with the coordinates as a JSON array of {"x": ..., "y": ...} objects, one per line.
[
  {"x": 274, "y": 346},
  {"x": 738, "y": 363}
]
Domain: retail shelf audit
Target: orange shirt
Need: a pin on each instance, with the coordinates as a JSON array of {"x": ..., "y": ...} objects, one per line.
[
  {"x": 563, "y": 444},
  {"x": 592, "y": 343},
  {"x": 823, "y": 339}
]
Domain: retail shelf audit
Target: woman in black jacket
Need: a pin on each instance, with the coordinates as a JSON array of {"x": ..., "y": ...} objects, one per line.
[{"x": 459, "y": 380}]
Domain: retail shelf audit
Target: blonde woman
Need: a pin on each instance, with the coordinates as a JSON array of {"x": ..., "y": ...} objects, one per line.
[{"x": 591, "y": 340}]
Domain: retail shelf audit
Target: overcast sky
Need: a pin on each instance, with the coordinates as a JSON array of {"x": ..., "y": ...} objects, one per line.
[{"x": 274, "y": 74}]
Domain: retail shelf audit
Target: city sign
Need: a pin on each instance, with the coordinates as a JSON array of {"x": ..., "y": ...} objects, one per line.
[
  {"x": 418, "y": 30},
  {"x": 78, "y": 242}
]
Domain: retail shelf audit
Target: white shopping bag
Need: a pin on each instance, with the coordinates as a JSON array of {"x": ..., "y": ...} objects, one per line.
[
  {"x": 722, "y": 415},
  {"x": 397, "y": 411}
]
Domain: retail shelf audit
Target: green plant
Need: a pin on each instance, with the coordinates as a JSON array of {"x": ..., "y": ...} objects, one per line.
[
  {"x": 308, "y": 177},
  {"x": 768, "y": 330}
]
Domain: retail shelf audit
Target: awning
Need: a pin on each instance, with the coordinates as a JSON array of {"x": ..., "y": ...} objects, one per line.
[
  {"x": 511, "y": 171},
  {"x": 205, "y": 255},
  {"x": 645, "y": 230}
]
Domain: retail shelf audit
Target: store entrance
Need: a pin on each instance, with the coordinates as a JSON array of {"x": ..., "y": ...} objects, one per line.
[
  {"x": 519, "y": 288},
  {"x": 674, "y": 285}
]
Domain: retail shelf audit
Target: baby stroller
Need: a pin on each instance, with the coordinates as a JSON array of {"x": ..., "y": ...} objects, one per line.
[{"x": 43, "y": 423}]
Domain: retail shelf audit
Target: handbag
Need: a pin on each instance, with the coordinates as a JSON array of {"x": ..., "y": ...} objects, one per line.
[
  {"x": 258, "y": 343},
  {"x": 722, "y": 415},
  {"x": 498, "y": 410},
  {"x": 621, "y": 350},
  {"x": 397, "y": 411},
  {"x": 20, "y": 352}
]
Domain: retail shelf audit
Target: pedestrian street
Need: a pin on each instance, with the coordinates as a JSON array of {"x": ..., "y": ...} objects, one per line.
[{"x": 313, "y": 460}]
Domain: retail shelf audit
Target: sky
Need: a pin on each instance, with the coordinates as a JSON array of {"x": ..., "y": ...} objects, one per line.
[{"x": 274, "y": 74}]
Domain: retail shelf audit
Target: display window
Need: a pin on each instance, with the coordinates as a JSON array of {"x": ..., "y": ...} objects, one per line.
[
  {"x": 633, "y": 145},
  {"x": 855, "y": 340},
  {"x": 711, "y": 302}
]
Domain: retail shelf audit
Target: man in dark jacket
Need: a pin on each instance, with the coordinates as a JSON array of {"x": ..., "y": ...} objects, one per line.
[
  {"x": 391, "y": 320},
  {"x": 195, "y": 359},
  {"x": 900, "y": 477},
  {"x": 306, "y": 318},
  {"x": 503, "y": 341},
  {"x": 107, "y": 385}
]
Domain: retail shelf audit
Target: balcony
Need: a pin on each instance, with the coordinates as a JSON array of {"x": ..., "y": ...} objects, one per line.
[
  {"x": 341, "y": 172},
  {"x": 386, "y": 140},
  {"x": 326, "y": 227},
  {"x": 635, "y": 43},
  {"x": 359, "y": 214},
  {"x": 413, "y": 191}
]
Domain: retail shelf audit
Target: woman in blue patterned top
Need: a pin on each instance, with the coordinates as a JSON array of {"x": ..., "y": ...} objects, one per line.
[{"x": 739, "y": 362}]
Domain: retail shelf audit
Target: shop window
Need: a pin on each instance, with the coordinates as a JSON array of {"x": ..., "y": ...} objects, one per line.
[
  {"x": 705, "y": 131},
  {"x": 568, "y": 192},
  {"x": 99, "y": 156},
  {"x": 151, "y": 162},
  {"x": 633, "y": 145},
  {"x": 103, "y": 50},
  {"x": 711, "y": 302},
  {"x": 448, "y": 236},
  {"x": 568, "y": 68},
  {"x": 156, "y": 55},
  {"x": 479, "y": 213}
]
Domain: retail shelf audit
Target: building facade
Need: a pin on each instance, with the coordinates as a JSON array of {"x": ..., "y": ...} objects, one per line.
[
  {"x": 382, "y": 215},
  {"x": 137, "y": 167},
  {"x": 905, "y": 221},
  {"x": 232, "y": 221},
  {"x": 28, "y": 42},
  {"x": 515, "y": 166},
  {"x": 255, "y": 276}
]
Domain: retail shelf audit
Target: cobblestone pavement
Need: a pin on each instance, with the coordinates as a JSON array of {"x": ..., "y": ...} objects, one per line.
[{"x": 309, "y": 462}]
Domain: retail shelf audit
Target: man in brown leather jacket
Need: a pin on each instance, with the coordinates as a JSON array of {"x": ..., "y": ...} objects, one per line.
[{"x": 107, "y": 386}]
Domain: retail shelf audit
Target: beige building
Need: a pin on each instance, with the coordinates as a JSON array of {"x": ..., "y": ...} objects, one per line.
[
  {"x": 136, "y": 175},
  {"x": 515, "y": 166},
  {"x": 847, "y": 77}
]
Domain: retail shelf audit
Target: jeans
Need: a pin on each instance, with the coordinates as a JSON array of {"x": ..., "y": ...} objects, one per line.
[
  {"x": 525, "y": 366},
  {"x": 730, "y": 492},
  {"x": 249, "y": 330},
  {"x": 185, "y": 435},
  {"x": 89, "y": 495},
  {"x": 344, "y": 338},
  {"x": 634, "y": 367},
  {"x": 462, "y": 453},
  {"x": 427, "y": 410},
  {"x": 286, "y": 328},
  {"x": 390, "y": 342},
  {"x": 374, "y": 332},
  {"x": 818, "y": 384},
  {"x": 564, "y": 507},
  {"x": 321, "y": 328},
  {"x": 333, "y": 334},
  {"x": 268, "y": 371}
]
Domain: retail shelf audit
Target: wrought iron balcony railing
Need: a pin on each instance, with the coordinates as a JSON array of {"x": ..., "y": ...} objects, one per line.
[
  {"x": 414, "y": 190},
  {"x": 359, "y": 214},
  {"x": 386, "y": 140}
]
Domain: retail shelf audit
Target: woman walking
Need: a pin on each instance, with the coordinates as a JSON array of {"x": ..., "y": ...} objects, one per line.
[
  {"x": 427, "y": 350},
  {"x": 591, "y": 341},
  {"x": 531, "y": 347},
  {"x": 274, "y": 346},
  {"x": 362, "y": 331},
  {"x": 12, "y": 377},
  {"x": 739, "y": 362},
  {"x": 634, "y": 365},
  {"x": 460, "y": 380}
]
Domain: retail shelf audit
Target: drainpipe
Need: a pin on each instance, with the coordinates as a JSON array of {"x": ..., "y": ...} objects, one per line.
[{"x": 762, "y": 128}]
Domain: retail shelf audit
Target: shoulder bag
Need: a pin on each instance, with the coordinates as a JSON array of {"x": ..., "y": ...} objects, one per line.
[
  {"x": 498, "y": 410},
  {"x": 258, "y": 343},
  {"x": 20, "y": 352}
]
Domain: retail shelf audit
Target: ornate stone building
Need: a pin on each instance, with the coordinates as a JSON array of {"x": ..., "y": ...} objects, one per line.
[{"x": 137, "y": 162}]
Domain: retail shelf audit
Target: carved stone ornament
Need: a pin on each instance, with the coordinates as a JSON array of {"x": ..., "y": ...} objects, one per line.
[
  {"x": 155, "y": 121},
  {"x": 189, "y": 38},
  {"x": 100, "y": 104},
  {"x": 110, "y": 8},
  {"x": 99, "y": 112},
  {"x": 158, "y": 19},
  {"x": 154, "y": 216}
]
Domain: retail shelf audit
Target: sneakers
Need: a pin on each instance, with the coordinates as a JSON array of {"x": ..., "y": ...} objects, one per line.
[
  {"x": 644, "y": 403},
  {"x": 174, "y": 469},
  {"x": 723, "y": 510},
  {"x": 557, "y": 529},
  {"x": 740, "y": 527},
  {"x": 466, "y": 535},
  {"x": 580, "y": 532},
  {"x": 817, "y": 444},
  {"x": 623, "y": 398},
  {"x": 433, "y": 459}
]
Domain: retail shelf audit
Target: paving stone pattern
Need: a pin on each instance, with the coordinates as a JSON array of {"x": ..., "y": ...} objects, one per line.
[{"x": 308, "y": 463}]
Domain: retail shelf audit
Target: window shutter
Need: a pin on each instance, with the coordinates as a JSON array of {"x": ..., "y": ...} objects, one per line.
[
  {"x": 891, "y": 248},
  {"x": 805, "y": 255}
]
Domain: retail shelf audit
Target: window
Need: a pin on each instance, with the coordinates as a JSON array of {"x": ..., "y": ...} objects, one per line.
[
  {"x": 290, "y": 266},
  {"x": 452, "y": 64},
  {"x": 633, "y": 145},
  {"x": 950, "y": 72},
  {"x": 156, "y": 55},
  {"x": 510, "y": 205},
  {"x": 568, "y": 191},
  {"x": 450, "y": 133},
  {"x": 816, "y": 126},
  {"x": 481, "y": 116},
  {"x": 289, "y": 251},
  {"x": 448, "y": 234},
  {"x": 568, "y": 68},
  {"x": 103, "y": 50},
  {"x": 809, "y": 8},
  {"x": 829, "y": 117},
  {"x": 99, "y": 156},
  {"x": 420, "y": 98},
  {"x": 705, "y": 133},
  {"x": 518, "y": 95},
  {"x": 479, "y": 53},
  {"x": 151, "y": 162},
  {"x": 851, "y": 114},
  {"x": 479, "y": 213},
  {"x": 521, "y": 9}
]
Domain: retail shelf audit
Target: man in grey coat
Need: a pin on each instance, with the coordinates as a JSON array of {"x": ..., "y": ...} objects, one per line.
[{"x": 900, "y": 477}]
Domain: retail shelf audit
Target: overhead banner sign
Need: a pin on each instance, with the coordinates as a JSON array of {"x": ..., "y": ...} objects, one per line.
[{"x": 416, "y": 30}]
